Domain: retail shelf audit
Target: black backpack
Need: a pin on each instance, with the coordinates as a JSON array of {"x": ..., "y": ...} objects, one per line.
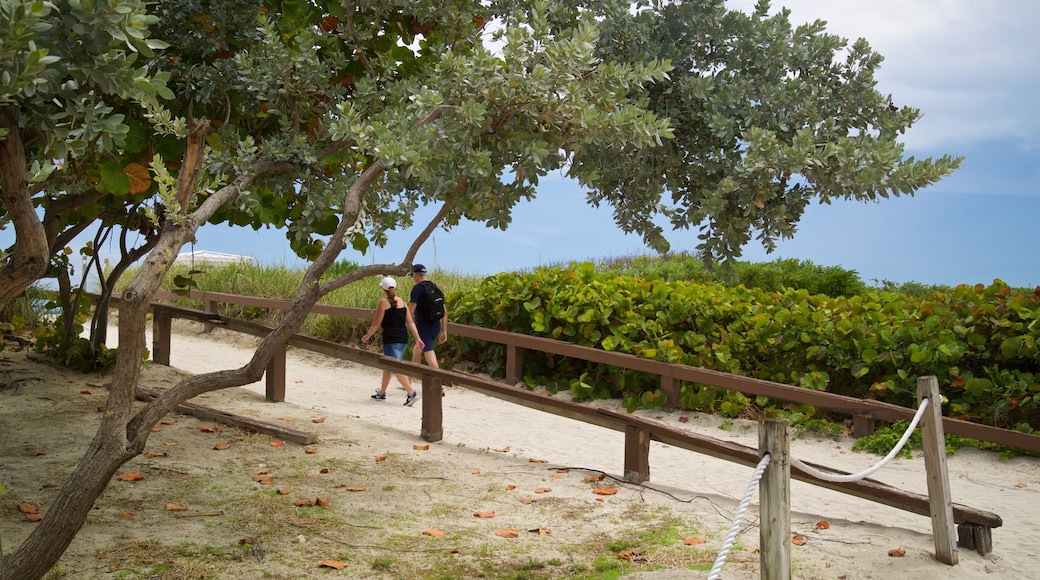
[{"x": 433, "y": 303}]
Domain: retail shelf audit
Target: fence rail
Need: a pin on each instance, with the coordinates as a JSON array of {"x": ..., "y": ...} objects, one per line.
[{"x": 863, "y": 412}]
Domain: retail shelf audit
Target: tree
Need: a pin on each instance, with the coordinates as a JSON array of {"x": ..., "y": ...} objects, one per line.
[
  {"x": 337, "y": 120},
  {"x": 768, "y": 117}
]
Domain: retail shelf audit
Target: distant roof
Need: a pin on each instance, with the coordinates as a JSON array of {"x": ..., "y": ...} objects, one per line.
[{"x": 208, "y": 257}]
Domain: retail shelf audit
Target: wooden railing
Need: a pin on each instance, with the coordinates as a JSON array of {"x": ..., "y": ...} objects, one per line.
[
  {"x": 638, "y": 431},
  {"x": 863, "y": 412}
]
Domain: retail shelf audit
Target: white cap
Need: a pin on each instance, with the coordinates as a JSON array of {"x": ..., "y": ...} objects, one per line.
[{"x": 388, "y": 283}]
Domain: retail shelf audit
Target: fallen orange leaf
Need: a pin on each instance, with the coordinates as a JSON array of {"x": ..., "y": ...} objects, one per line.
[
  {"x": 331, "y": 564},
  {"x": 318, "y": 420},
  {"x": 126, "y": 514},
  {"x": 154, "y": 454},
  {"x": 822, "y": 525},
  {"x": 451, "y": 551},
  {"x": 434, "y": 533},
  {"x": 263, "y": 472},
  {"x": 206, "y": 429},
  {"x": 34, "y": 517},
  {"x": 284, "y": 491},
  {"x": 355, "y": 489},
  {"x": 507, "y": 533},
  {"x": 175, "y": 507},
  {"x": 510, "y": 487},
  {"x": 527, "y": 501},
  {"x": 86, "y": 392},
  {"x": 277, "y": 443},
  {"x": 322, "y": 502},
  {"x": 222, "y": 447},
  {"x": 593, "y": 478},
  {"x": 263, "y": 480},
  {"x": 543, "y": 490},
  {"x": 303, "y": 503},
  {"x": 477, "y": 472},
  {"x": 487, "y": 514},
  {"x": 683, "y": 419},
  {"x": 156, "y": 429},
  {"x": 564, "y": 470},
  {"x": 694, "y": 541},
  {"x": 381, "y": 458},
  {"x": 131, "y": 477},
  {"x": 624, "y": 556},
  {"x": 290, "y": 419},
  {"x": 533, "y": 460},
  {"x": 605, "y": 490},
  {"x": 502, "y": 450},
  {"x": 798, "y": 540},
  {"x": 170, "y": 444},
  {"x": 167, "y": 422},
  {"x": 540, "y": 531},
  {"x": 310, "y": 450},
  {"x": 28, "y": 508},
  {"x": 421, "y": 447},
  {"x": 37, "y": 453},
  {"x": 897, "y": 552},
  {"x": 327, "y": 470},
  {"x": 1020, "y": 485}
]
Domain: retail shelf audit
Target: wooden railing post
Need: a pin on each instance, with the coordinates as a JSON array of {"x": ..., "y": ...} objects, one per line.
[
  {"x": 162, "y": 330},
  {"x": 212, "y": 306},
  {"x": 637, "y": 454},
  {"x": 774, "y": 494},
  {"x": 432, "y": 409},
  {"x": 276, "y": 376},
  {"x": 514, "y": 364},
  {"x": 939, "y": 499},
  {"x": 671, "y": 387}
]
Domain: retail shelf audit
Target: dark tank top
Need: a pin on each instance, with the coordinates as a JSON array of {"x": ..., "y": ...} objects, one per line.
[{"x": 394, "y": 329}]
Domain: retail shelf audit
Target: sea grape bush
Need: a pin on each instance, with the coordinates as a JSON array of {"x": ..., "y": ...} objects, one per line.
[{"x": 982, "y": 342}]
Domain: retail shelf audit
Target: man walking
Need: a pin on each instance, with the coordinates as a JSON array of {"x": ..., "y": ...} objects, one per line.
[{"x": 426, "y": 304}]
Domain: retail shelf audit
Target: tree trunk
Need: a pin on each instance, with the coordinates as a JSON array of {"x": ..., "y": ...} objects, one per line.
[{"x": 27, "y": 260}]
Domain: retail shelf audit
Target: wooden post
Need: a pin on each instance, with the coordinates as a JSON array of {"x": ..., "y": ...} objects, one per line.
[
  {"x": 774, "y": 494},
  {"x": 862, "y": 426},
  {"x": 162, "y": 330},
  {"x": 514, "y": 364},
  {"x": 212, "y": 306},
  {"x": 432, "y": 409},
  {"x": 671, "y": 387},
  {"x": 276, "y": 376},
  {"x": 637, "y": 454},
  {"x": 940, "y": 502}
]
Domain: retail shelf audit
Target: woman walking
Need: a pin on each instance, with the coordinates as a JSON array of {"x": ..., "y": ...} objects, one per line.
[{"x": 393, "y": 316}]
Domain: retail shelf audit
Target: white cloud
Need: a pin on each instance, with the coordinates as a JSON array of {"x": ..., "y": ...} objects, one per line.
[{"x": 971, "y": 67}]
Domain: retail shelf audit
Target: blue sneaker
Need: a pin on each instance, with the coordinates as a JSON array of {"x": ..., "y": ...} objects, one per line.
[
  {"x": 377, "y": 396},
  {"x": 411, "y": 398}
]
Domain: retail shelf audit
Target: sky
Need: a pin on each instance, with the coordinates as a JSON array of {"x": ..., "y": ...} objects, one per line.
[{"x": 972, "y": 68}]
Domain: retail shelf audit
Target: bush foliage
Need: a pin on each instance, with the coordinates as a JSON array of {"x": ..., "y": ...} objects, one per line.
[{"x": 980, "y": 341}]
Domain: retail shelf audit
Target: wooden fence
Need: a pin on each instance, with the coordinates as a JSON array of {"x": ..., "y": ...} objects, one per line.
[{"x": 974, "y": 526}]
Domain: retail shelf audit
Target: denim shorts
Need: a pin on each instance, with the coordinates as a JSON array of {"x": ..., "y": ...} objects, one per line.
[{"x": 394, "y": 349}]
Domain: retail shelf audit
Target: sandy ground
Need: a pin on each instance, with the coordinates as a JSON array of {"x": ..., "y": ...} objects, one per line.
[{"x": 488, "y": 438}]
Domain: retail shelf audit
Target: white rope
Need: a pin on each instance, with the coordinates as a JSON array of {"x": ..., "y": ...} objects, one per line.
[
  {"x": 865, "y": 473},
  {"x": 738, "y": 517}
]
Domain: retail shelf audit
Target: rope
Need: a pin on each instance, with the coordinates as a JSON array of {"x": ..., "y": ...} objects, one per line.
[
  {"x": 865, "y": 473},
  {"x": 734, "y": 529}
]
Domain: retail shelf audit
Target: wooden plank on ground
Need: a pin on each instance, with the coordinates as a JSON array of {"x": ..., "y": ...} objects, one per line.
[{"x": 211, "y": 414}]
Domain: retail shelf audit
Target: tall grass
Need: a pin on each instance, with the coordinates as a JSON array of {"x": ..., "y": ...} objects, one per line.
[{"x": 281, "y": 282}]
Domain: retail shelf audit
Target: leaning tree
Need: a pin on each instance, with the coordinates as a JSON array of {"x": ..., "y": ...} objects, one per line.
[{"x": 337, "y": 121}]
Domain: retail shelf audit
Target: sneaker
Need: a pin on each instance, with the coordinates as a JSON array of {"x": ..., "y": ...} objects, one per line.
[
  {"x": 377, "y": 396},
  {"x": 411, "y": 398}
]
